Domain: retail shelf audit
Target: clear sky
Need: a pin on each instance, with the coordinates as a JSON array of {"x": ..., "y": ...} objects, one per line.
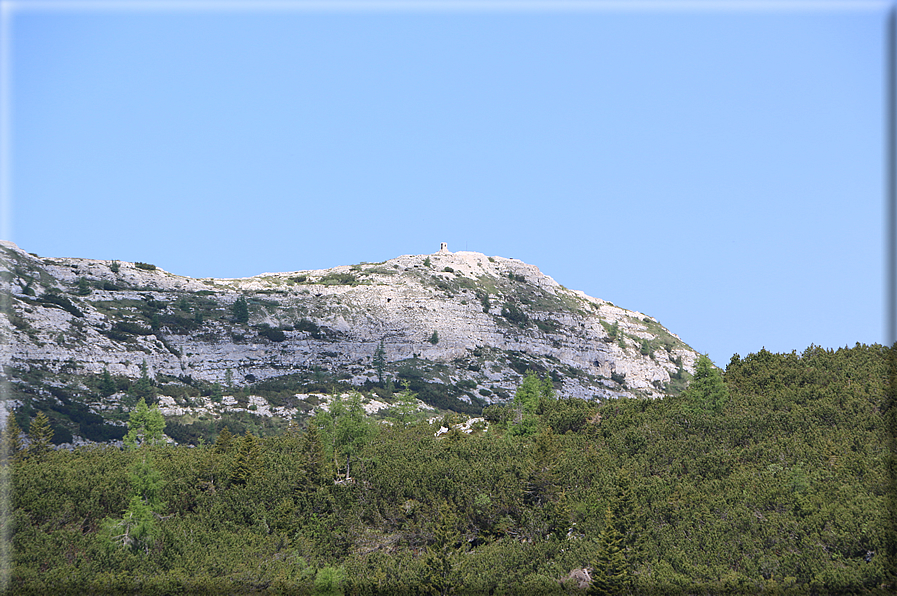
[{"x": 720, "y": 169}]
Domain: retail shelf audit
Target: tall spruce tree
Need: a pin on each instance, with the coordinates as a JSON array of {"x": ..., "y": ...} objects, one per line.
[
  {"x": 610, "y": 576},
  {"x": 40, "y": 435},
  {"x": 439, "y": 560},
  {"x": 707, "y": 393},
  {"x": 241, "y": 310},
  {"x": 380, "y": 362},
  {"x": 106, "y": 386},
  {"x": 146, "y": 426},
  {"x": 246, "y": 462},
  {"x": 11, "y": 440}
]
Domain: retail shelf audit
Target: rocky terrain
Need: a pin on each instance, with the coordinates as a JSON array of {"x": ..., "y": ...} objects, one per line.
[{"x": 464, "y": 322}]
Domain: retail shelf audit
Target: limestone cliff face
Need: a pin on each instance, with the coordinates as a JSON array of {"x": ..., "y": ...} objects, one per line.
[{"x": 454, "y": 318}]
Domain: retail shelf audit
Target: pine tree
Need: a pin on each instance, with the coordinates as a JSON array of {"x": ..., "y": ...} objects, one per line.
[
  {"x": 145, "y": 426},
  {"x": 405, "y": 405},
  {"x": 245, "y": 463},
  {"x": 313, "y": 459},
  {"x": 241, "y": 310},
  {"x": 610, "y": 576},
  {"x": 39, "y": 435},
  {"x": 83, "y": 287},
  {"x": 380, "y": 362},
  {"x": 223, "y": 440},
  {"x": 624, "y": 508},
  {"x": 11, "y": 440},
  {"x": 107, "y": 384},
  {"x": 438, "y": 563},
  {"x": 707, "y": 393},
  {"x": 143, "y": 388}
]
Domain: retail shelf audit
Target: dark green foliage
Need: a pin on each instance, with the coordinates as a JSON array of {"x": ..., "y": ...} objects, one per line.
[
  {"x": 114, "y": 266},
  {"x": 427, "y": 262},
  {"x": 40, "y": 436},
  {"x": 10, "y": 441},
  {"x": 514, "y": 314},
  {"x": 707, "y": 393},
  {"x": 145, "y": 266},
  {"x": 62, "y": 302},
  {"x": 610, "y": 575},
  {"x": 83, "y": 287},
  {"x": 132, "y": 328},
  {"x": 380, "y": 362},
  {"x": 240, "y": 310},
  {"x": 106, "y": 386},
  {"x": 439, "y": 395},
  {"x": 783, "y": 490},
  {"x": 275, "y": 335},
  {"x": 339, "y": 279},
  {"x": 547, "y": 325},
  {"x": 308, "y": 326},
  {"x": 484, "y": 300},
  {"x": 245, "y": 465},
  {"x": 143, "y": 388},
  {"x": 434, "y": 339},
  {"x": 439, "y": 561}
]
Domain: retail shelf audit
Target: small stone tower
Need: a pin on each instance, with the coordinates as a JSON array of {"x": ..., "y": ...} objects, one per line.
[{"x": 443, "y": 248}]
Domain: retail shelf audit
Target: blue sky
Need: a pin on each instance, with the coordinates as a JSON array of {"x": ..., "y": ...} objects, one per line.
[{"x": 721, "y": 169}]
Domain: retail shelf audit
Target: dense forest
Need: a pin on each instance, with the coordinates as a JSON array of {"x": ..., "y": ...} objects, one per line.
[{"x": 769, "y": 477}]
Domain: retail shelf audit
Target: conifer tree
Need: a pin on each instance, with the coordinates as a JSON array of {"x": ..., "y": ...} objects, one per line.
[
  {"x": 380, "y": 362},
  {"x": 246, "y": 461},
  {"x": 405, "y": 405},
  {"x": 39, "y": 435},
  {"x": 241, "y": 310},
  {"x": 106, "y": 386},
  {"x": 145, "y": 426},
  {"x": 11, "y": 439},
  {"x": 438, "y": 563},
  {"x": 223, "y": 440},
  {"x": 610, "y": 576},
  {"x": 707, "y": 393},
  {"x": 624, "y": 508},
  {"x": 313, "y": 460},
  {"x": 143, "y": 388}
]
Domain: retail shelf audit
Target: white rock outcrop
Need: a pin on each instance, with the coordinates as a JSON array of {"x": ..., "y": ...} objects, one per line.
[{"x": 428, "y": 311}]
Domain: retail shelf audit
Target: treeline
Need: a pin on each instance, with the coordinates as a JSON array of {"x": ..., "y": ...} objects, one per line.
[{"x": 769, "y": 478}]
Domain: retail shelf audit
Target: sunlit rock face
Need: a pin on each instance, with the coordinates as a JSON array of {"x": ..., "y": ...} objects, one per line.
[{"x": 459, "y": 318}]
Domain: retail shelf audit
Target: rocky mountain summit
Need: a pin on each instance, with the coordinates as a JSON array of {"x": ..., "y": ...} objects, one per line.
[{"x": 464, "y": 323}]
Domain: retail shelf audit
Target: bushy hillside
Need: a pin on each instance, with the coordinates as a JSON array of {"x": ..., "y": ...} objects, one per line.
[{"x": 769, "y": 478}]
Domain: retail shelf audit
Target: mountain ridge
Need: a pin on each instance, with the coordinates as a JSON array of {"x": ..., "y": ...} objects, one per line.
[{"x": 470, "y": 323}]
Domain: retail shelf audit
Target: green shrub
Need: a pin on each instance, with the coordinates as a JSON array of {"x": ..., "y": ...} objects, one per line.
[
  {"x": 241, "y": 310},
  {"x": 308, "y": 326},
  {"x": 547, "y": 326},
  {"x": 427, "y": 262},
  {"x": 114, "y": 266},
  {"x": 145, "y": 266},
  {"x": 275, "y": 335},
  {"x": 83, "y": 287},
  {"x": 62, "y": 302},
  {"x": 449, "y": 270},
  {"x": 434, "y": 339},
  {"x": 339, "y": 279},
  {"x": 512, "y": 313},
  {"x": 132, "y": 328}
]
